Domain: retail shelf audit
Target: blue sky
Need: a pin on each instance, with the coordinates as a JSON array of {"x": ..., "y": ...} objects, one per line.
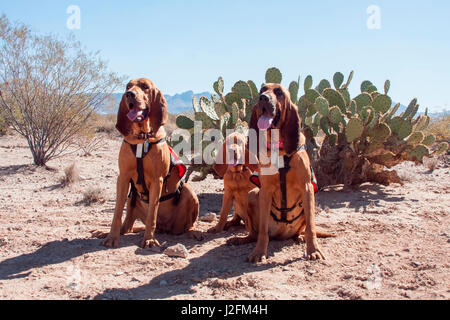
[{"x": 187, "y": 45}]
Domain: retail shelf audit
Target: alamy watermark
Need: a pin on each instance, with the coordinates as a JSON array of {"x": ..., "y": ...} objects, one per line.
[
  {"x": 73, "y": 280},
  {"x": 206, "y": 145},
  {"x": 374, "y": 20},
  {"x": 373, "y": 282},
  {"x": 74, "y": 20}
]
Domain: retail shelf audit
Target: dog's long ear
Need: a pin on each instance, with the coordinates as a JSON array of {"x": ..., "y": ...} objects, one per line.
[
  {"x": 123, "y": 123},
  {"x": 290, "y": 129},
  {"x": 158, "y": 110},
  {"x": 254, "y": 125},
  {"x": 251, "y": 161},
  {"x": 220, "y": 164}
]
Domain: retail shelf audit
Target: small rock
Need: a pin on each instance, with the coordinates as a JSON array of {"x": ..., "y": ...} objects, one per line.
[
  {"x": 210, "y": 217},
  {"x": 3, "y": 242},
  {"x": 178, "y": 251},
  {"x": 163, "y": 283},
  {"x": 416, "y": 264},
  {"x": 310, "y": 271}
]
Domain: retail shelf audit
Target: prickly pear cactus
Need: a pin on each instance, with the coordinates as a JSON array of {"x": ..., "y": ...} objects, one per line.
[
  {"x": 364, "y": 135},
  {"x": 230, "y": 110}
]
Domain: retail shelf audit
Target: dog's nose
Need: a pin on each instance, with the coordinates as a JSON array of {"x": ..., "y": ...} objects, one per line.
[
  {"x": 130, "y": 94},
  {"x": 264, "y": 98}
]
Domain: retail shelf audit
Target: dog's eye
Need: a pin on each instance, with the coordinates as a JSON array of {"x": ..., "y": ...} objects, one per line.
[
  {"x": 263, "y": 89},
  {"x": 278, "y": 92},
  {"x": 144, "y": 86}
]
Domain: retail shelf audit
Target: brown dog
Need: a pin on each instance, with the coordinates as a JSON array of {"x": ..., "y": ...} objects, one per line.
[
  {"x": 286, "y": 208},
  {"x": 141, "y": 118},
  {"x": 235, "y": 164},
  {"x": 245, "y": 196}
]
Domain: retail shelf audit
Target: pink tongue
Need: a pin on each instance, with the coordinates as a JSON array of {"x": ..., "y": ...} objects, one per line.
[
  {"x": 135, "y": 114},
  {"x": 264, "y": 122}
]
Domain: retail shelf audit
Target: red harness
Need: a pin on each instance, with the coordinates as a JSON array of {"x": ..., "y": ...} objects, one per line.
[{"x": 175, "y": 162}]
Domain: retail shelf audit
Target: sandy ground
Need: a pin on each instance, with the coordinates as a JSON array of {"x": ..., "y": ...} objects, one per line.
[{"x": 393, "y": 242}]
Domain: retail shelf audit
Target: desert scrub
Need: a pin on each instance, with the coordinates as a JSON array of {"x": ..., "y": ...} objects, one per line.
[
  {"x": 93, "y": 195},
  {"x": 49, "y": 88},
  {"x": 71, "y": 176},
  {"x": 440, "y": 128}
]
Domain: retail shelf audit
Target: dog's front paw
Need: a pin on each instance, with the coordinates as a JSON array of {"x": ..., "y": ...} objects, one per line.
[
  {"x": 257, "y": 255},
  {"x": 99, "y": 234},
  {"x": 149, "y": 243},
  {"x": 111, "y": 241},
  {"x": 215, "y": 229},
  {"x": 313, "y": 252}
]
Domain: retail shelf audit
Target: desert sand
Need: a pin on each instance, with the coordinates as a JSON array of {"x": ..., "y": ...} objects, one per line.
[{"x": 392, "y": 242}]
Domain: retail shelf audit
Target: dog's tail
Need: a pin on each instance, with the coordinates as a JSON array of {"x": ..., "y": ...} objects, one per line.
[{"x": 323, "y": 234}]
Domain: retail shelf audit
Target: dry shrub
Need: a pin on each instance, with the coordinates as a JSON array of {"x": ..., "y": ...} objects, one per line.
[
  {"x": 440, "y": 127},
  {"x": 71, "y": 175},
  {"x": 406, "y": 175},
  {"x": 3, "y": 126},
  {"x": 49, "y": 88},
  {"x": 431, "y": 163},
  {"x": 93, "y": 195},
  {"x": 104, "y": 123},
  {"x": 87, "y": 141}
]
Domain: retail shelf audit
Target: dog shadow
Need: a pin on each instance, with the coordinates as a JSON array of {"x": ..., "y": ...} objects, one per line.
[
  {"x": 356, "y": 198},
  {"x": 210, "y": 202},
  {"x": 54, "y": 252},
  {"x": 221, "y": 262}
]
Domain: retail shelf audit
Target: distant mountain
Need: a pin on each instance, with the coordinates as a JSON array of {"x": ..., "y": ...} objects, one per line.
[
  {"x": 403, "y": 108},
  {"x": 178, "y": 103}
]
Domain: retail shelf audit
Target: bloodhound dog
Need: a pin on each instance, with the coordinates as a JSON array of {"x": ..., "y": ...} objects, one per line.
[
  {"x": 141, "y": 118},
  {"x": 235, "y": 164},
  {"x": 285, "y": 205}
]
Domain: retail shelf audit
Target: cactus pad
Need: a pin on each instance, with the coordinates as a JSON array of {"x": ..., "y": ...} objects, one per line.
[
  {"x": 308, "y": 83},
  {"x": 253, "y": 88},
  {"x": 293, "y": 91},
  {"x": 338, "y": 79},
  {"x": 364, "y": 99},
  {"x": 415, "y": 138},
  {"x": 324, "y": 84},
  {"x": 418, "y": 153},
  {"x": 311, "y": 95},
  {"x": 401, "y": 127},
  {"x": 335, "y": 115},
  {"x": 184, "y": 122},
  {"x": 382, "y": 103},
  {"x": 219, "y": 86},
  {"x": 334, "y": 98},
  {"x": 273, "y": 75},
  {"x": 325, "y": 125},
  {"x": 220, "y": 109},
  {"x": 429, "y": 140},
  {"x": 443, "y": 147},
  {"x": 242, "y": 89},
  {"x": 208, "y": 108},
  {"x": 387, "y": 86},
  {"x": 322, "y": 106},
  {"x": 365, "y": 85},
  {"x": 354, "y": 129},
  {"x": 381, "y": 133}
]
